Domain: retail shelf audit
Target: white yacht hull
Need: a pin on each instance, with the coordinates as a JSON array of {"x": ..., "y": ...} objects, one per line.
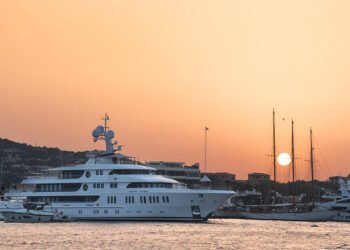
[
  {"x": 342, "y": 216},
  {"x": 183, "y": 205},
  {"x": 292, "y": 216}
]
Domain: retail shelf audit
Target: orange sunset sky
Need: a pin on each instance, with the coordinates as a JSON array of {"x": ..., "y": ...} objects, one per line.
[{"x": 163, "y": 70}]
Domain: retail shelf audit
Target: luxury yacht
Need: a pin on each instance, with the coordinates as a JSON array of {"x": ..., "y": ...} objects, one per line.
[
  {"x": 113, "y": 186},
  {"x": 341, "y": 202}
]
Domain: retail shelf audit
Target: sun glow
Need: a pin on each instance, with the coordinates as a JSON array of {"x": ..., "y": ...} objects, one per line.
[{"x": 284, "y": 159}]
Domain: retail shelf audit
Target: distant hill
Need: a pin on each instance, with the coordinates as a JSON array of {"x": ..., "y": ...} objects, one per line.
[{"x": 21, "y": 159}]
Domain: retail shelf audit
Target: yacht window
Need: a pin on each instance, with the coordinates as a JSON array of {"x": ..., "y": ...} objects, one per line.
[
  {"x": 133, "y": 201},
  {"x": 87, "y": 174},
  {"x": 102, "y": 185},
  {"x": 115, "y": 199},
  {"x": 167, "y": 199},
  {"x": 98, "y": 185},
  {"x": 141, "y": 199},
  {"x": 97, "y": 172},
  {"x": 94, "y": 185},
  {"x": 126, "y": 199},
  {"x": 113, "y": 185},
  {"x": 131, "y": 171},
  {"x": 163, "y": 199},
  {"x": 157, "y": 199},
  {"x": 85, "y": 187},
  {"x": 149, "y": 185},
  {"x": 150, "y": 199},
  {"x": 154, "y": 199},
  {"x": 101, "y": 172},
  {"x": 108, "y": 200},
  {"x": 144, "y": 199}
]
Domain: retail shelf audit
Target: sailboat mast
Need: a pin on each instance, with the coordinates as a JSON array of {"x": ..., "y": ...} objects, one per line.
[
  {"x": 293, "y": 165},
  {"x": 205, "y": 150},
  {"x": 312, "y": 168},
  {"x": 2, "y": 167},
  {"x": 274, "y": 145}
]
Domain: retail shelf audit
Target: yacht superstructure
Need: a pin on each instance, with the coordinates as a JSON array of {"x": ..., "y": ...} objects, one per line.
[
  {"x": 339, "y": 202},
  {"x": 113, "y": 186}
]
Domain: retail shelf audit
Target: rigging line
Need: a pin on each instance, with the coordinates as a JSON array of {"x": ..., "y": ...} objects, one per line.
[
  {"x": 304, "y": 154},
  {"x": 322, "y": 156}
]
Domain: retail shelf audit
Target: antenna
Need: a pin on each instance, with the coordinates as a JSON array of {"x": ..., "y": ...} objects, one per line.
[
  {"x": 274, "y": 146},
  {"x": 205, "y": 178},
  {"x": 2, "y": 166},
  {"x": 205, "y": 149},
  {"x": 312, "y": 168},
  {"x": 293, "y": 165},
  {"x": 106, "y": 119}
]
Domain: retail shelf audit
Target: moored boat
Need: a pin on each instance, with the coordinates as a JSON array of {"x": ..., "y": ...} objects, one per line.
[
  {"x": 292, "y": 215},
  {"x": 292, "y": 212},
  {"x": 7, "y": 205},
  {"x": 25, "y": 216}
]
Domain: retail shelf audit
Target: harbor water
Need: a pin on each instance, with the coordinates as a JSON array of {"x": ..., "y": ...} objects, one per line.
[{"x": 214, "y": 234}]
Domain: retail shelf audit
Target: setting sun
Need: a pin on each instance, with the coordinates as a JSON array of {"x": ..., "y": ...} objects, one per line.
[{"x": 284, "y": 159}]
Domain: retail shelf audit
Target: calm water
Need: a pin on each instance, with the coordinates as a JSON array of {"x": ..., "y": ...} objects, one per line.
[{"x": 215, "y": 234}]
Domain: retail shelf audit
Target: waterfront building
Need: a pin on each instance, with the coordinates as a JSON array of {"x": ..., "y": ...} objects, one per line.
[
  {"x": 255, "y": 178},
  {"x": 222, "y": 176},
  {"x": 188, "y": 174},
  {"x": 222, "y": 180}
]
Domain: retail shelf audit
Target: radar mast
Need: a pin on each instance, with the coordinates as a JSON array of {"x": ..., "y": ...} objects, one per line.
[{"x": 103, "y": 133}]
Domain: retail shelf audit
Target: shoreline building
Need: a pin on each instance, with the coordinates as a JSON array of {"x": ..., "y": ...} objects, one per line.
[
  {"x": 256, "y": 178},
  {"x": 188, "y": 174}
]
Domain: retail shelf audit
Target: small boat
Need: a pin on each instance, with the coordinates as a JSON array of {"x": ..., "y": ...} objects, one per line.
[
  {"x": 293, "y": 215},
  {"x": 6, "y": 205},
  {"x": 34, "y": 213},
  {"x": 25, "y": 215}
]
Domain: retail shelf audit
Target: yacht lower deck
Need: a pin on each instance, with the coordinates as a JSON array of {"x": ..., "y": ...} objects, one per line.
[{"x": 181, "y": 206}]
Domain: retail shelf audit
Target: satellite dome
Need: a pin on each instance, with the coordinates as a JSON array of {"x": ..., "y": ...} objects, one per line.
[
  {"x": 98, "y": 131},
  {"x": 110, "y": 134}
]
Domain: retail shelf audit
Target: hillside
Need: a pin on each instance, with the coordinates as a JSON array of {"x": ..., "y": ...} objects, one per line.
[{"x": 21, "y": 159}]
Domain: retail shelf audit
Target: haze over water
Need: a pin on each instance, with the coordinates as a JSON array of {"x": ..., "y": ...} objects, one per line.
[
  {"x": 216, "y": 234},
  {"x": 164, "y": 70}
]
